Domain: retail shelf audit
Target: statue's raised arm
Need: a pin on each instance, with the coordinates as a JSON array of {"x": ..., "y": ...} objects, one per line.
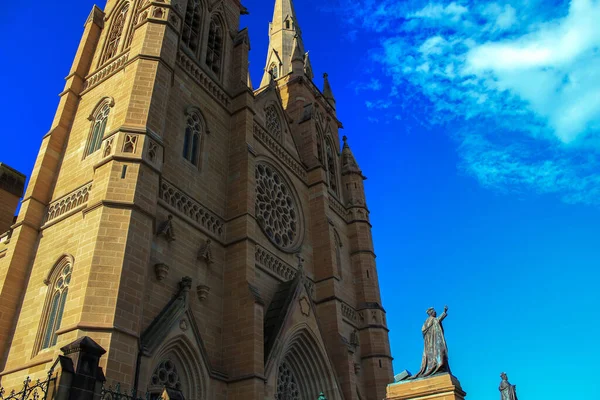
[{"x": 435, "y": 353}]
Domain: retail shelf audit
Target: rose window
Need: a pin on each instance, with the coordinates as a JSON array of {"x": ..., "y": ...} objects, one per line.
[
  {"x": 276, "y": 210},
  {"x": 287, "y": 389}
]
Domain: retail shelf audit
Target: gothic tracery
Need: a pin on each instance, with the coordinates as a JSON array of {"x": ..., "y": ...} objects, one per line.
[{"x": 276, "y": 209}]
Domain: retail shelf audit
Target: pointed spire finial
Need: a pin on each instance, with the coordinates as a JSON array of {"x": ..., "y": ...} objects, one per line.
[{"x": 327, "y": 92}]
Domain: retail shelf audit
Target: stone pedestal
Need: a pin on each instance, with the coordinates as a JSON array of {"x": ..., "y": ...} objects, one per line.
[{"x": 438, "y": 387}]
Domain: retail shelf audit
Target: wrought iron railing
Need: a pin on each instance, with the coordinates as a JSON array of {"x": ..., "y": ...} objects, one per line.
[
  {"x": 117, "y": 393},
  {"x": 38, "y": 390}
]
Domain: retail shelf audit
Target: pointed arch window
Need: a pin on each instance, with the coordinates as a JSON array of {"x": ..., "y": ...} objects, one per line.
[
  {"x": 331, "y": 171},
  {"x": 214, "y": 52},
  {"x": 274, "y": 70},
  {"x": 99, "y": 119},
  {"x": 58, "y": 290},
  {"x": 273, "y": 122},
  {"x": 115, "y": 33},
  {"x": 191, "y": 25},
  {"x": 192, "y": 140}
]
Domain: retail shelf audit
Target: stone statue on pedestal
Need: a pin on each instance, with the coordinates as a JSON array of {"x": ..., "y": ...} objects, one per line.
[
  {"x": 435, "y": 354},
  {"x": 507, "y": 391}
]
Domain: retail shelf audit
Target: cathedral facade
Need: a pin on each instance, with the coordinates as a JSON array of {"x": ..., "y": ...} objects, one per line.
[{"x": 212, "y": 237}]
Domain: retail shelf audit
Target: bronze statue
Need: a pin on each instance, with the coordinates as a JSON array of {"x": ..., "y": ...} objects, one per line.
[
  {"x": 435, "y": 354},
  {"x": 507, "y": 391}
]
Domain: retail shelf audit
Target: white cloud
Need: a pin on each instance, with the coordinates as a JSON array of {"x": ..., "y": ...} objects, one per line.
[
  {"x": 528, "y": 69},
  {"x": 452, "y": 11},
  {"x": 550, "y": 68}
]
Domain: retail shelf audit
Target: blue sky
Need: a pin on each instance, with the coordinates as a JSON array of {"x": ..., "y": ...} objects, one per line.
[{"x": 477, "y": 124}]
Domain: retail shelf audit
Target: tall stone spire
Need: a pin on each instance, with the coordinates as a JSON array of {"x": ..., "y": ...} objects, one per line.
[{"x": 285, "y": 43}]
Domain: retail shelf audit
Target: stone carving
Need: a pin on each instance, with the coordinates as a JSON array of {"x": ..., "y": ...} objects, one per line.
[
  {"x": 183, "y": 325},
  {"x": 435, "y": 353},
  {"x": 282, "y": 154},
  {"x": 205, "y": 253},
  {"x": 348, "y": 312},
  {"x": 67, "y": 203},
  {"x": 276, "y": 209},
  {"x": 106, "y": 72},
  {"x": 202, "y": 291},
  {"x": 336, "y": 206},
  {"x": 190, "y": 208},
  {"x": 108, "y": 146},
  {"x": 305, "y": 306},
  {"x": 273, "y": 123},
  {"x": 280, "y": 268},
  {"x": 357, "y": 368},
  {"x": 130, "y": 144},
  {"x": 507, "y": 391},
  {"x": 152, "y": 150},
  {"x": 161, "y": 271},
  {"x": 166, "y": 229},
  {"x": 192, "y": 68}
]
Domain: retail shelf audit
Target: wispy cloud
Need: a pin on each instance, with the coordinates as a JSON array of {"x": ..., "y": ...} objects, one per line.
[{"x": 489, "y": 70}]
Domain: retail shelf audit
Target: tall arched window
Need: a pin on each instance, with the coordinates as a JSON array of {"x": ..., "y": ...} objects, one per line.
[
  {"x": 115, "y": 33},
  {"x": 193, "y": 137},
  {"x": 99, "y": 119},
  {"x": 331, "y": 167},
  {"x": 214, "y": 51},
  {"x": 58, "y": 290},
  {"x": 191, "y": 25}
]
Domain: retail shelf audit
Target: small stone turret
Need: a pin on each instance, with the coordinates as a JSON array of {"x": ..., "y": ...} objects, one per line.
[
  {"x": 327, "y": 92},
  {"x": 297, "y": 58},
  {"x": 352, "y": 177}
]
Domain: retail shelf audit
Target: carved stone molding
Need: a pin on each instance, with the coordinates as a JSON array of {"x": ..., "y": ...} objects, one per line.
[
  {"x": 274, "y": 264},
  {"x": 349, "y": 313},
  {"x": 106, "y": 72},
  {"x": 282, "y": 154},
  {"x": 190, "y": 208},
  {"x": 194, "y": 70},
  {"x": 71, "y": 201},
  {"x": 339, "y": 208}
]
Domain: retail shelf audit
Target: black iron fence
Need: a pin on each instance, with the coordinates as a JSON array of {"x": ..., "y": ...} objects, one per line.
[{"x": 38, "y": 390}]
